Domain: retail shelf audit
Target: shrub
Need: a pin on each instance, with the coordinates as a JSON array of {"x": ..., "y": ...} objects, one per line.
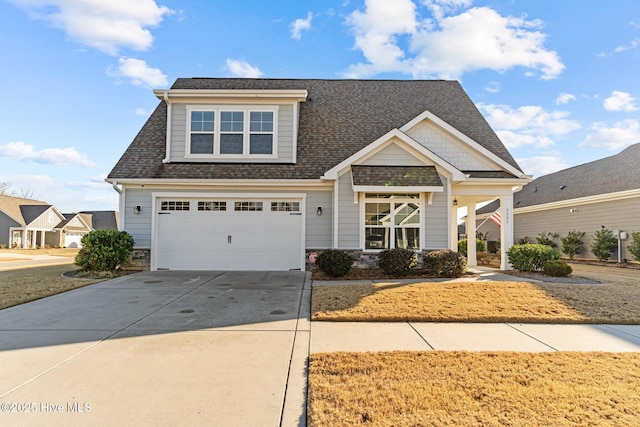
[
  {"x": 444, "y": 263},
  {"x": 634, "y": 245},
  {"x": 334, "y": 262},
  {"x": 523, "y": 240},
  {"x": 547, "y": 238},
  {"x": 531, "y": 257},
  {"x": 398, "y": 262},
  {"x": 3, "y": 246},
  {"x": 557, "y": 268},
  {"x": 104, "y": 250},
  {"x": 481, "y": 246},
  {"x": 572, "y": 244},
  {"x": 486, "y": 258},
  {"x": 604, "y": 243}
]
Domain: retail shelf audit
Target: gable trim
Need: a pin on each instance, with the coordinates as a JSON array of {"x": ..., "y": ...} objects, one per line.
[
  {"x": 600, "y": 198},
  {"x": 383, "y": 141},
  {"x": 427, "y": 115}
]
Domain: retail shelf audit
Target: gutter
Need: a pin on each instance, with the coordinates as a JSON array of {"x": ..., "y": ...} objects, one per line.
[{"x": 114, "y": 184}]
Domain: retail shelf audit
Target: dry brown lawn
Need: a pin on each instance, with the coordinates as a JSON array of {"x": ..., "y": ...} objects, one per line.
[
  {"x": 20, "y": 286},
  {"x": 458, "y": 301},
  {"x": 68, "y": 252},
  {"x": 481, "y": 389}
]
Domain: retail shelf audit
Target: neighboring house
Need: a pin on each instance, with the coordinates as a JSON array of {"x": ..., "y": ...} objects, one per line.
[
  {"x": 584, "y": 198},
  {"x": 69, "y": 233},
  {"x": 25, "y": 223},
  {"x": 103, "y": 220},
  {"x": 257, "y": 174}
]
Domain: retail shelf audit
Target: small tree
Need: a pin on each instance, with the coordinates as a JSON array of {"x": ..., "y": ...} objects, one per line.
[
  {"x": 572, "y": 244},
  {"x": 547, "y": 238},
  {"x": 634, "y": 246},
  {"x": 104, "y": 250},
  {"x": 604, "y": 243}
]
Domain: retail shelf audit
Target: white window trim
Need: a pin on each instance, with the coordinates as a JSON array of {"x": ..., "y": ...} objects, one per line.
[
  {"x": 420, "y": 201},
  {"x": 247, "y": 110}
]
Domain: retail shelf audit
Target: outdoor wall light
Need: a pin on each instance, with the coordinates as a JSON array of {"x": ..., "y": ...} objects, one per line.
[
  {"x": 319, "y": 211},
  {"x": 573, "y": 210},
  {"x": 137, "y": 209},
  {"x": 455, "y": 202}
]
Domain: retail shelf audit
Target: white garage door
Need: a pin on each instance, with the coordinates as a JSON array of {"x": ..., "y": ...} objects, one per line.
[
  {"x": 229, "y": 234},
  {"x": 72, "y": 240}
]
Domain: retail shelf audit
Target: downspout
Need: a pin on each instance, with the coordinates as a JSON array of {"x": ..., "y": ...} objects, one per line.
[
  {"x": 167, "y": 158},
  {"x": 120, "y": 192}
]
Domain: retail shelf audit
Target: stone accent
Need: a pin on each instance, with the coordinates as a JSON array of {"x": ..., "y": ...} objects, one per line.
[{"x": 139, "y": 260}]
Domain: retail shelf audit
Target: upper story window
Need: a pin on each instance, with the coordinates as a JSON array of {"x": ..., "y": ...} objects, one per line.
[{"x": 231, "y": 131}]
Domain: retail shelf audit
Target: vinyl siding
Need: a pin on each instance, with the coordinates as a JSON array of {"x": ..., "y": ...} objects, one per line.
[
  {"x": 318, "y": 228},
  {"x": 5, "y": 223},
  {"x": 285, "y": 137},
  {"x": 42, "y": 222},
  {"x": 436, "y": 223},
  {"x": 614, "y": 215},
  {"x": 392, "y": 155},
  {"x": 348, "y": 215}
]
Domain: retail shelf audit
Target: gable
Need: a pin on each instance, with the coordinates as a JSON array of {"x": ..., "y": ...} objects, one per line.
[{"x": 392, "y": 155}]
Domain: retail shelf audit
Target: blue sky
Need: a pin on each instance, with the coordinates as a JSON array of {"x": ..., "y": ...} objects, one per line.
[{"x": 558, "y": 80}]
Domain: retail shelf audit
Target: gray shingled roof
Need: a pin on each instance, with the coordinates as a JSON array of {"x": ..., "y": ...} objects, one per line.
[
  {"x": 339, "y": 118},
  {"x": 397, "y": 176},
  {"x": 31, "y": 212},
  {"x": 103, "y": 220},
  {"x": 620, "y": 172}
]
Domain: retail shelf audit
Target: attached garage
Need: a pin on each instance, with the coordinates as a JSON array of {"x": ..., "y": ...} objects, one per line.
[
  {"x": 218, "y": 233},
  {"x": 73, "y": 239}
]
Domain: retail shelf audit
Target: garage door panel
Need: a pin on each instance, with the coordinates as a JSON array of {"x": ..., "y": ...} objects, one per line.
[{"x": 228, "y": 240}]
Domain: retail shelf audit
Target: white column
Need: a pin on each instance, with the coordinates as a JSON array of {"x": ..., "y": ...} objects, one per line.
[
  {"x": 453, "y": 228},
  {"x": 506, "y": 230},
  {"x": 24, "y": 239},
  {"x": 42, "y": 239},
  {"x": 471, "y": 235}
]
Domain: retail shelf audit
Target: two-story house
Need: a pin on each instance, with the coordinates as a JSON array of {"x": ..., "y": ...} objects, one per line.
[{"x": 257, "y": 174}]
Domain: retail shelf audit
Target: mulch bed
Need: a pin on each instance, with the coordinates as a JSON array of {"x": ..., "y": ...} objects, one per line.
[
  {"x": 85, "y": 274},
  {"x": 376, "y": 274}
]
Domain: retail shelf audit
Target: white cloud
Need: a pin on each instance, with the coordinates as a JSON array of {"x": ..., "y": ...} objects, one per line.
[
  {"x": 243, "y": 69},
  {"x": 543, "y": 165},
  {"x": 619, "y": 135},
  {"x": 565, "y": 98},
  {"x": 527, "y": 125},
  {"x": 104, "y": 25},
  {"x": 141, "y": 112},
  {"x": 54, "y": 156},
  {"x": 139, "y": 73},
  {"x": 620, "y": 101},
  {"x": 493, "y": 87},
  {"x": 446, "y": 46},
  {"x": 300, "y": 25}
]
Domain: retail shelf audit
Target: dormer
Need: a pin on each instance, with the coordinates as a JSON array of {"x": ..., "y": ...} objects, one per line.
[{"x": 232, "y": 126}]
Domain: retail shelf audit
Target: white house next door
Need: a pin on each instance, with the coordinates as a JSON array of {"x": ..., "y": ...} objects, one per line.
[{"x": 228, "y": 234}]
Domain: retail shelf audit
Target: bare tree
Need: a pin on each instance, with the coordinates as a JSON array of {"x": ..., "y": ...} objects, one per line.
[
  {"x": 4, "y": 188},
  {"x": 26, "y": 193}
]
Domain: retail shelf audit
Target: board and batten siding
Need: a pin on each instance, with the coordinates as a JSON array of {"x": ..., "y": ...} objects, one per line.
[
  {"x": 284, "y": 143},
  {"x": 318, "y": 228},
  {"x": 614, "y": 215},
  {"x": 43, "y": 223}
]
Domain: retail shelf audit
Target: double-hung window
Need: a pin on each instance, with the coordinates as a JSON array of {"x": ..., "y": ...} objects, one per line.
[
  {"x": 231, "y": 131},
  {"x": 392, "y": 221}
]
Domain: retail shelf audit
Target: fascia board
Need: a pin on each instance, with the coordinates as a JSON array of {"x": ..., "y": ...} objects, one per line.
[
  {"x": 378, "y": 144},
  {"x": 291, "y": 94},
  {"x": 427, "y": 115},
  {"x": 600, "y": 198},
  {"x": 396, "y": 189},
  {"x": 221, "y": 182}
]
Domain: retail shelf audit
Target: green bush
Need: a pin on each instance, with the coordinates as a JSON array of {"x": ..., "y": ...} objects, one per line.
[
  {"x": 634, "y": 245},
  {"x": 444, "y": 263},
  {"x": 572, "y": 244},
  {"x": 531, "y": 257},
  {"x": 481, "y": 246},
  {"x": 523, "y": 240},
  {"x": 398, "y": 262},
  {"x": 104, "y": 250},
  {"x": 334, "y": 262},
  {"x": 547, "y": 238},
  {"x": 604, "y": 243},
  {"x": 557, "y": 268}
]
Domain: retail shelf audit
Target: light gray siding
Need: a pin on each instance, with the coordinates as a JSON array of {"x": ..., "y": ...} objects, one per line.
[
  {"x": 43, "y": 223},
  {"x": 436, "y": 220},
  {"x": 318, "y": 228},
  {"x": 348, "y": 215},
  {"x": 614, "y": 215},
  {"x": 393, "y": 155},
  {"x": 5, "y": 223},
  {"x": 285, "y": 137}
]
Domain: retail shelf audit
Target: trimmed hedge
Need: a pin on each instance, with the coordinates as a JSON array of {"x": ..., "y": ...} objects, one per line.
[
  {"x": 444, "y": 263},
  {"x": 334, "y": 262},
  {"x": 397, "y": 262},
  {"x": 481, "y": 246},
  {"x": 104, "y": 250},
  {"x": 557, "y": 268},
  {"x": 531, "y": 257}
]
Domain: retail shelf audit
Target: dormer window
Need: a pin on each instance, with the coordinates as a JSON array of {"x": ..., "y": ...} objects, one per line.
[{"x": 231, "y": 131}]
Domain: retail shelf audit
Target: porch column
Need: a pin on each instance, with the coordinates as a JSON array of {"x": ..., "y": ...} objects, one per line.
[
  {"x": 471, "y": 235},
  {"x": 506, "y": 230},
  {"x": 453, "y": 229},
  {"x": 25, "y": 233}
]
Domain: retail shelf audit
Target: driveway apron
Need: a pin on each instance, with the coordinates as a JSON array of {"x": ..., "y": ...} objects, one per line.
[{"x": 160, "y": 348}]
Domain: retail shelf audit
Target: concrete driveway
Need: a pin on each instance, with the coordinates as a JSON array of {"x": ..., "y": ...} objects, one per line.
[{"x": 161, "y": 348}]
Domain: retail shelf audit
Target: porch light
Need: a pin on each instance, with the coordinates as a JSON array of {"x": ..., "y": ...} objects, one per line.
[
  {"x": 137, "y": 209},
  {"x": 455, "y": 201},
  {"x": 319, "y": 211}
]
